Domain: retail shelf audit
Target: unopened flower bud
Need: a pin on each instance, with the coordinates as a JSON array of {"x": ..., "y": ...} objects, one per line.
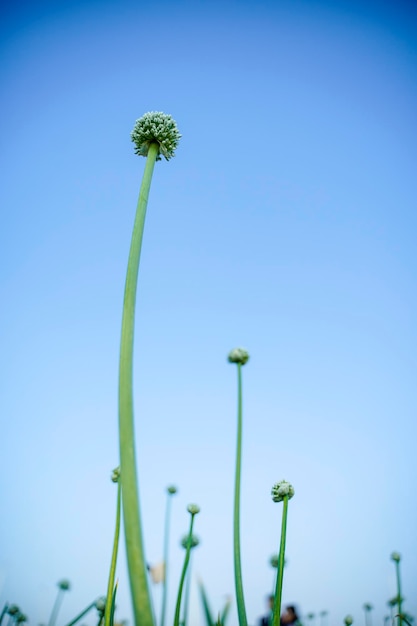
[
  {"x": 64, "y": 584},
  {"x": 193, "y": 509},
  {"x": 100, "y": 604},
  {"x": 282, "y": 489},
  {"x": 395, "y": 556},
  {"x": 238, "y": 355},
  {"x": 115, "y": 474},
  {"x": 348, "y": 620},
  {"x": 172, "y": 489}
]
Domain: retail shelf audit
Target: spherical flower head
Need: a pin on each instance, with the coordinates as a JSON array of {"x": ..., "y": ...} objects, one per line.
[
  {"x": 395, "y": 556},
  {"x": 172, "y": 490},
  {"x": 348, "y": 620},
  {"x": 193, "y": 509},
  {"x": 368, "y": 607},
  {"x": 192, "y": 541},
  {"x": 20, "y": 618},
  {"x": 156, "y": 127},
  {"x": 115, "y": 475},
  {"x": 13, "y": 609},
  {"x": 64, "y": 584},
  {"x": 100, "y": 604},
  {"x": 239, "y": 356},
  {"x": 282, "y": 489}
]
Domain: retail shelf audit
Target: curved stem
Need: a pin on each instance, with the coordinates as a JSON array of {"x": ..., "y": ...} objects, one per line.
[
  {"x": 166, "y": 545},
  {"x": 183, "y": 574},
  {"x": 130, "y": 500},
  {"x": 112, "y": 573},
  {"x": 240, "y": 600},
  {"x": 281, "y": 560}
]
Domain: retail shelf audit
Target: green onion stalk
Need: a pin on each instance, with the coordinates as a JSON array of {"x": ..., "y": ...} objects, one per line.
[
  {"x": 396, "y": 557},
  {"x": 193, "y": 509},
  {"x": 112, "y": 573},
  {"x": 63, "y": 586},
  {"x": 281, "y": 492},
  {"x": 240, "y": 356},
  {"x": 193, "y": 541},
  {"x": 153, "y": 134},
  {"x": 171, "y": 490},
  {"x": 368, "y": 617},
  {"x": 323, "y": 618}
]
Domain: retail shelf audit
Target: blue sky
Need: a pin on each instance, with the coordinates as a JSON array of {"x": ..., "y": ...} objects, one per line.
[{"x": 286, "y": 224}]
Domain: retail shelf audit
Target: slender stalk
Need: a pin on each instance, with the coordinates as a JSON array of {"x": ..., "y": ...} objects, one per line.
[
  {"x": 76, "y": 619},
  {"x": 400, "y": 600},
  {"x": 187, "y": 594},
  {"x": 183, "y": 574},
  {"x": 3, "y": 613},
  {"x": 281, "y": 560},
  {"x": 56, "y": 607},
  {"x": 131, "y": 514},
  {"x": 112, "y": 573},
  {"x": 240, "y": 600},
  {"x": 166, "y": 546}
]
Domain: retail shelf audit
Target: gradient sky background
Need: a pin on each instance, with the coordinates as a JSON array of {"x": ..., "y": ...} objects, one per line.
[{"x": 286, "y": 224}]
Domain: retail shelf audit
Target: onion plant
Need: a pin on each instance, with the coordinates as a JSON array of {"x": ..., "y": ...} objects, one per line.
[
  {"x": 367, "y": 607},
  {"x": 63, "y": 586},
  {"x": 281, "y": 492},
  {"x": 193, "y": 542},
  {"x": 112, "y": 574},
  {"x": 154, "y": 134},
  {"x": 396, "y": 557},
  {"x": 171, "y": 491},
  {"x": 323, "y": 617},
  {"x": 239, "y": 356},
  {"x": 193, "y": 509}
]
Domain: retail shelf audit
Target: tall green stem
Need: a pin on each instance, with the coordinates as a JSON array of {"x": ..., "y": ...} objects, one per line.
[
  {"x": 112, "y": 573},
  {"x": 166, "y": 547},
  {"x": 240, "y": 600},
  {"x": 187, "y": 594},
  {"x": 183, "y": 574},
  {"x": 55, "y": 609},
  {"x": 131, "y": 514},
  {"x": 281, "y": 561},
  {"x": 400, "y": 600}
]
